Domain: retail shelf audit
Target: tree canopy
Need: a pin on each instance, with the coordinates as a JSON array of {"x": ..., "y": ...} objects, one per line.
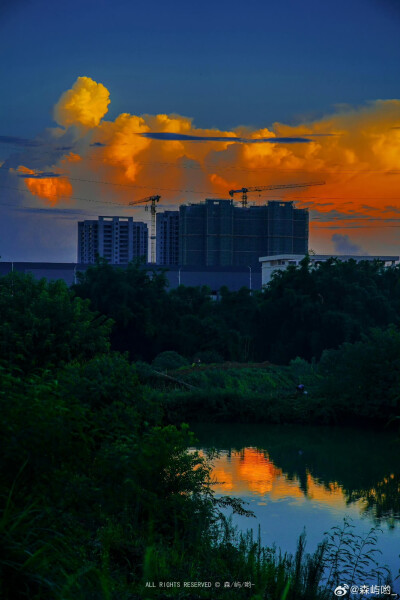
[
  {"x": 303, "y": 311},
  {"x": 43, "y": 325}
]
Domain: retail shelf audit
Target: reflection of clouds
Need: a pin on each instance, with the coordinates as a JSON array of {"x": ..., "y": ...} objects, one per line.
[
  {"x": 331, "y": 494},
  {"x": 223, "y": 479},
  {"x": 251, "y": 471},
  {"x": 257, "y": 470},
  {"x": 284, "y": 488}
]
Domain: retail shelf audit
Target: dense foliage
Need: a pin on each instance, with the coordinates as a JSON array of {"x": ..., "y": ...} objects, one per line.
[
  {"x": 91, "y": 485},
  {"x": 97, "y": 493},
  {"x": 308, "y": 309},
  {"x": 364, "y": 378},
  {"x": 41, "y": 326},
  {"x": 303, "y": 311},
  {"x": 354, "y": 384}
]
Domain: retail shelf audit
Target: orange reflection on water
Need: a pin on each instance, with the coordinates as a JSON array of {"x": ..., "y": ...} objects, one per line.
[
  {"x": 322, "y": 493},
  {"x": 251, "y": 472},
  {"x": 258, "y": 471}
]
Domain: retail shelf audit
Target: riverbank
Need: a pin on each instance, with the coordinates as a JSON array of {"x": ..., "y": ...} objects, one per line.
[{"x": 254, "y": 393}]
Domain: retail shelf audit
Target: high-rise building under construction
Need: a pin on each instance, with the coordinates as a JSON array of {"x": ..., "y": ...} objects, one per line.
[
  {"x": 218, "y": 233},
  {"x": 214, "y": 233},
  {"x": 118, "y": 239}
]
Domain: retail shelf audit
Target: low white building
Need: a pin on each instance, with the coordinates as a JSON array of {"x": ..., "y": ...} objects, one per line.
[{"x": 269, "y": 264}]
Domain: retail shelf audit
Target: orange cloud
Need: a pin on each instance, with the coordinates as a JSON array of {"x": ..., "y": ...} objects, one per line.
[
  {"x": 72, "y": 157},
  {"x": 85, "y": 104},
  {"x": 128, "y": 158},
  {"x": 356, "y": 151},
  {"x": 355, "y": 158},
  {"x": 122, "y": 145},
  {"x": 357, "y": 161},
  {"x": 50, "y": 188}
]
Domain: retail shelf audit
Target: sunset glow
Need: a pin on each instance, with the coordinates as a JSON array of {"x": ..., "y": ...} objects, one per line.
[{"x": 356, "y": 151}]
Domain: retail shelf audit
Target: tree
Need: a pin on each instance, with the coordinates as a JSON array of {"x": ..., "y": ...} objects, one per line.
[
  {"x": 309, "y": 308},
  {"x": 42, "y": 325},
  {"x": 136, "y": 301},
  {"x": 363, "y": 379}
]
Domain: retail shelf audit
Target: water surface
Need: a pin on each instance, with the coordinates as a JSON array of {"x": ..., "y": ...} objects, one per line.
[{"x": 296, "y": 477}]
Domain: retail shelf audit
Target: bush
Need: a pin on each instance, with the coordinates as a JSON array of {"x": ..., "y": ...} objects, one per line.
[{"x": 169, "y": 360}]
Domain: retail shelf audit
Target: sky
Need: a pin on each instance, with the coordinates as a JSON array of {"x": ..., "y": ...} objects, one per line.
[{"x": 84, "y": 85}]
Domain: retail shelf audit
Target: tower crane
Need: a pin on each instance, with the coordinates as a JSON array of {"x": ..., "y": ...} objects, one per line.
[
  {"x": 153, "y": 209},
  {"x": 261, "y": 188}
]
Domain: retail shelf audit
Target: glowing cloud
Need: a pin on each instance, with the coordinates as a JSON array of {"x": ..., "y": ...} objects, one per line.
[
  {"x": 355, "y": 151},
  {"x": 85, "y": 104},
  {"x": 120, "y": 145},
  {"x": 50, "y": 188}
]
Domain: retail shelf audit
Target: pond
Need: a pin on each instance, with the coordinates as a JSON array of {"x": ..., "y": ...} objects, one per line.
[{"x": 296, "y": 477}]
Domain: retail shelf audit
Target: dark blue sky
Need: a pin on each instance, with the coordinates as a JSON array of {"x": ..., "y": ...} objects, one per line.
[{"x": 224, "y": 63}]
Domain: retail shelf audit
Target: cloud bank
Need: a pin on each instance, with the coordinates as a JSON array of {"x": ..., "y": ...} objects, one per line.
[{"x": 356, "y": 151}]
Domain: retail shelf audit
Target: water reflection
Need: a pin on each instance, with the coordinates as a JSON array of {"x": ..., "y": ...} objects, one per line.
[
  {"x": 383, "y": 500},
  {"x": 336, "y": 468},
  {"x": 251, "y": 472}
]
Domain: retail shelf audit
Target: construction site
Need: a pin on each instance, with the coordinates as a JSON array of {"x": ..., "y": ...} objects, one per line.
[{"x": 213, "y": 233}]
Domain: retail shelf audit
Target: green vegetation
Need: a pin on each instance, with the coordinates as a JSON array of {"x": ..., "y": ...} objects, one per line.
[
  {"x": 42, "y": 327},
  {"x": 334, "y": 328},
  {"x": 99, "y": 492},
  {"x": 356, "y": 384},
  {"x": 303, "y": 312},
  {"x": 168, "y": 360}
]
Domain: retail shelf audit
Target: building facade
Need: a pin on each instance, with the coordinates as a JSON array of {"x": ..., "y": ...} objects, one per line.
[
  {"x": 118, "y": 239},
  {"x": 218, "y": 233},
  {"x": 287, "y": 229},
  {"x": 167, "y": 238}
]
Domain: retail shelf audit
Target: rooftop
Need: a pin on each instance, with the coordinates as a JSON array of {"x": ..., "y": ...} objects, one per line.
[{"x": 319, "y": 257}]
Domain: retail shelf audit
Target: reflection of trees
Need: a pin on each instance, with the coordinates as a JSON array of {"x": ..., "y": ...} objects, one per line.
[
  {"x": 363, "y": 463},
  {"x": 383, "y": 500}
]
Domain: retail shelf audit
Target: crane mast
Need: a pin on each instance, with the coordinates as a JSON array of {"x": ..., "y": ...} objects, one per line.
[
  {"x": 153, "y": 209},
  {"x": 245, "y": 190}
]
